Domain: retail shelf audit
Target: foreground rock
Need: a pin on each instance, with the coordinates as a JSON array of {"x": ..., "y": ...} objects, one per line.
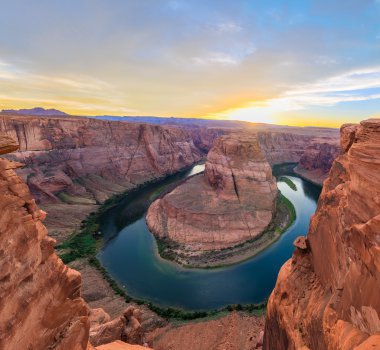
[
  {"x": 327, "y": 294},
  {"x": 235, "y": 331},
  {"x": 233, "y": 201},
  {"x": 40, "y": 302},
  {"x": 316, "y": 161}
]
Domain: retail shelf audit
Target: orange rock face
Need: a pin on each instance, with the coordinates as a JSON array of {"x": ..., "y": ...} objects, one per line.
[
  {"x": 235, "y": 331},
  {"x": 40, "y": 302},
  {"x": 232, "y": 202},
  {"x": 327, "y": 296}
]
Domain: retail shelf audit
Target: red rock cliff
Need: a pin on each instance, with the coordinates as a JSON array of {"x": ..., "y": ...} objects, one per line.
[
  {"x": 40, "y": 302},
  {"x": 327, "y": 295},
  {"x": 73, "y": 164},
  {"x": 87, "y": 160},
  {"x": 232, "y": 202}
]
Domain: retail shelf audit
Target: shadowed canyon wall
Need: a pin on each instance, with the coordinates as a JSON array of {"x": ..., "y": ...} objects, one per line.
[
  {"x": 316, "y": 161},
  {"x": 327, "y": 294}
]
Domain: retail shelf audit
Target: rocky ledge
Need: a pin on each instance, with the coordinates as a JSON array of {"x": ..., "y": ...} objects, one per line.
[
  {"x": 232, "y": 202},
  {"x": 327, "y": 294}
]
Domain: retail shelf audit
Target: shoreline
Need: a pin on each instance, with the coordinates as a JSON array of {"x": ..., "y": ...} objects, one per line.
[
  {"x": 86, "y": 243},
  {"x": 285, "y": 217},
  {"x": 89, "y": 230}
]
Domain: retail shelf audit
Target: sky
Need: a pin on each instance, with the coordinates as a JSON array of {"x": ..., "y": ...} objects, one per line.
[{"x": 295, "y": 62}]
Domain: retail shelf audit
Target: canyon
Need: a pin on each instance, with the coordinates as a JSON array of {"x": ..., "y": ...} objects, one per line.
[
  {"x": 327, "y": 294},
  {"x": 41, "y": 305},
  {"x": 232, "y": 202},
  {"x": 70, "y": 173}
]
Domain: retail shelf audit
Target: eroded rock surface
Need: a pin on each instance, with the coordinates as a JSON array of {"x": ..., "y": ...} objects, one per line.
[
  {"x": 235, "y": 331},
  {"x": 40, "y": 302},
  {"x": 81, "y": 162},
  {"x": 233, "y": 200},
  {"x": 316, "y": 161},
  {"x": 327, "y": 297}
]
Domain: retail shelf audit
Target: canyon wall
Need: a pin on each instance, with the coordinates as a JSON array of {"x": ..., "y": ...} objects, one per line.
[
  {"x": 316, "y": 161},
  {"x": 327, "y": 294},
  {"x": 283, "y": 147},
  {"x": 92, "y": 159},
  {"x": 73, "y": 164},
  {"x": 40, "y": 302},
  {"x": 233, "y": 200}
]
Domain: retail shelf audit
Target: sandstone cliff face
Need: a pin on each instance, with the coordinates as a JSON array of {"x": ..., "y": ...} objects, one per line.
[
  {"x": 283, "y": 147},
  {"x": 327, "y": 294},
  {"x": 232, "y": 202},
  {"x": 40, "y": 303},
  {"x": 73, "y": 164},
  {"x": 86, "y": 160},
  {"x": 316, "y": 161}
]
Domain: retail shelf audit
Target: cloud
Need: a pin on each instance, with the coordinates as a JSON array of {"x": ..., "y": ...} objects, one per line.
[
  {"x": 228, "y": 27},
  {"x": 216, "y": 57},
  {"x": 353, "y": 86}
]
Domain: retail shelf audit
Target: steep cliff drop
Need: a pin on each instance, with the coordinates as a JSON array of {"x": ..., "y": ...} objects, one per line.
[
  {"x": 233, "y": 201},
  {"x": 40, "y": 303},
  {"x": 327, "y": 295}
]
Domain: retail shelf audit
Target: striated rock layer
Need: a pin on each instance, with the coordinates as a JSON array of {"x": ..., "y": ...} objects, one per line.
[
  {"x": 233, "y": 201},
  {"x": 87, "y": 160},
  {"x": 327, "y": 294},
  {"x": 40, "y": 302},
  {"x": 316, "y": 161},
  {"x": 73, "y": 164}
]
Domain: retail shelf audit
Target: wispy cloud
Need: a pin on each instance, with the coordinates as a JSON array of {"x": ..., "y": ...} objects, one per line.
[
  {"x": 228, "y": 27},
  {"x": 352, "y": 86},
  {"x": 216, "y": 57},
  {"x": 11, "y": 72}
]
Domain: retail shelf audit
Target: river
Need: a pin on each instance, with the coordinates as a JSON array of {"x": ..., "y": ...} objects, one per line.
[{"x": 130, "y": 255}]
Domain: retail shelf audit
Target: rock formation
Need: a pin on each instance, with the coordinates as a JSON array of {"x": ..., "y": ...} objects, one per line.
[
  {"x": 316, "y": 161},
  {"x": 40, "y": 302},
  {"x": 235, "y": 331},
  {"x": 127, "y": 327},
  {"x": 283, "y": 147},
  {"x": 233, "y": 201},
  {"x": 82, "y": 162},
  {"x": 78, "y": 157},
  {"x": 327, "y": 294}
]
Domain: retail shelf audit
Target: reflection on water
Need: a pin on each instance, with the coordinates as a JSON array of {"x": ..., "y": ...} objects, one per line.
[{"x": 131, "y": 256}]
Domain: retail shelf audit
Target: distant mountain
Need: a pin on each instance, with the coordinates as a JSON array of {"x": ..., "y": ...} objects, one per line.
[
  {"x": 177, "y": 121},
  {"x": 34, "y": 111}
]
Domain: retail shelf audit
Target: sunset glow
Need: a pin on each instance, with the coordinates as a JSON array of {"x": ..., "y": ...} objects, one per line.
[{"x": 296, "y": 63}]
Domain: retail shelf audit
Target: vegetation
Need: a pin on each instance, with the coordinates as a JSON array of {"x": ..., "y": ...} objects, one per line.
[
  {"x": 86, "y": 242},
  {"x": 289, "y": 182},
  {"x": 83, "y": 243},
  {"x": 292, "y": 211}
]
